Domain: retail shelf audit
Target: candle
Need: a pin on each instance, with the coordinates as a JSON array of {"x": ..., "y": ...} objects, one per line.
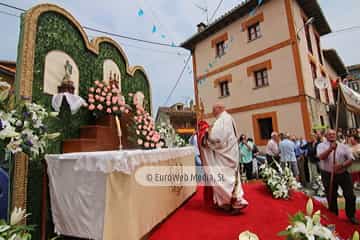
[{"x": 118, "y": 129}]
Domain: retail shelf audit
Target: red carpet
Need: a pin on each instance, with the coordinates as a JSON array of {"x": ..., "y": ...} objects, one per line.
[{"x": 265, "y": 216}]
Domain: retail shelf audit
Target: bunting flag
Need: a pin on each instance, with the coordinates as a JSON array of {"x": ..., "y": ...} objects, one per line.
[
  {"x": 154, "y": 29},
  {"x": 163, "y": 36},
  {"x": 140, "y": 12},
  {"x": 173, "y": 44},
  {"x": 201, "y": 81}
]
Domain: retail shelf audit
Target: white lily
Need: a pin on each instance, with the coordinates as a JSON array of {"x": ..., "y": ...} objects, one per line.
[
  {"x": 309, "y": 207},
  {"x": 247, "y": 235},
  {"x": 306, "y": 229},
  {"x": 311, "y": 230},
  {"x": 3, "y": 228},
  {"x": 17, "y": 216},
  {"x": 53, "y": 135},
  {"x": 316, "y": 217},
  {"x": 14, "y": 145},
  {"x": 14, "y": 237},
  {"x": 323, "y": 232},
  {"x": 26, "y": 124},
  {"x": 53, "y": 114},
  {"x": 38, "y": 123},
  {"x": 8, "y": 132}
]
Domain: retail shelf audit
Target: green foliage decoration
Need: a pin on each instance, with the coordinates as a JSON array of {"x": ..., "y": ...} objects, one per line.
[{"x": 56, "y": 32}]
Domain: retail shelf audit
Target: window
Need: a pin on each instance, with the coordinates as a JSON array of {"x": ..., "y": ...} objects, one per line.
[
  {"x": 327, "y": 95},
  {"x": 264, "y": 124},
  {"x": 224, "y": 89},
  {"x": 254, "y": 31},
  {"x": 314, "y": 76},
  {"x": 265, "y": 127},
  {"x": 319, "y": 49},
  {"x": 307, "y": 34},
  {"x": 220, "y": 48},
  {"x": 179, "y": 107},
  {"x": 322, "y": 122},
  {"x": 261, "y": 78}
]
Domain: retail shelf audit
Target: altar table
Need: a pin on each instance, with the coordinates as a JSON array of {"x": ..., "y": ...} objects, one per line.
[{"x": 94, "y": 195}]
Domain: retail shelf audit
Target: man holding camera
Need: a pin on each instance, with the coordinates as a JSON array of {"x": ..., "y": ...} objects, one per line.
[{"x": 335, "y": 158}]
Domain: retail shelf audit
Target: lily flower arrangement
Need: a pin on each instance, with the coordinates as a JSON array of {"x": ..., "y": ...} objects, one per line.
[
  {"x": 307, "y": 226},
  {"x": 23, "y": 127},
  {"x": 279, "y": 181}
]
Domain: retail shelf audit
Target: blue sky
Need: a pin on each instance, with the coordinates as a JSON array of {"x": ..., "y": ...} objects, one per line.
[{"x": 176, "y": 20}]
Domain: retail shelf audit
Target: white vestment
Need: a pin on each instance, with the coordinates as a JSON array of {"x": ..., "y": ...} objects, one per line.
[{"x": 221, "y": 158}]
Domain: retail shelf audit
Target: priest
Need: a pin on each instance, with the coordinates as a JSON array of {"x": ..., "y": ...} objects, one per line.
[{"x": 220, "y": 156}]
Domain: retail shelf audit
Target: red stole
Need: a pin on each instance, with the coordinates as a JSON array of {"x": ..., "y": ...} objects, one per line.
[{"x": 203, "y": 126}]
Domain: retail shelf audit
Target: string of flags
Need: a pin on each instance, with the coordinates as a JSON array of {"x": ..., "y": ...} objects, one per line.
[
  {"x": 227, "y": 45},
  {"x": 154, "y": 29},
  {"x": 211, "y": 64}
]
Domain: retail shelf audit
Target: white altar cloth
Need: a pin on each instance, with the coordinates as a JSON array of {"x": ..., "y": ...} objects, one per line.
[{"x": 94, "y": 195}]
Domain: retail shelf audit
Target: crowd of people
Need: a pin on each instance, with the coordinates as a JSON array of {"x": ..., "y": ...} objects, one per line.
[
  {"x": 333, "y": 157},
  {"x": 298, "y": 154}
]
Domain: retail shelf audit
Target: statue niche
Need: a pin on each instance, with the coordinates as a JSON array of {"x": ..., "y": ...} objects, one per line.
[{"x": 61, "y": 73}]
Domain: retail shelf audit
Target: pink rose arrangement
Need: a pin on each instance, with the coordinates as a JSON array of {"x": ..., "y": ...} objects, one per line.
[
  {"x": 146, "y": 135},
  {"x": 106, "y": 98}
]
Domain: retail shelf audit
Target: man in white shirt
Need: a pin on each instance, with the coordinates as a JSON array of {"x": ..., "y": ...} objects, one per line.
[
  {"x": 335, "y": 158},
  {"x": 272, "y": 149}
]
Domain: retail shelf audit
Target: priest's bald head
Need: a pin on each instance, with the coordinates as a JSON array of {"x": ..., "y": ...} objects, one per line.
[{"x": 218, "y": 108}]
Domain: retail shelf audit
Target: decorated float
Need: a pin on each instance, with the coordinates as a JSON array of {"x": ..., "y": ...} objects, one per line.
[{"x": 82, "y": 184}]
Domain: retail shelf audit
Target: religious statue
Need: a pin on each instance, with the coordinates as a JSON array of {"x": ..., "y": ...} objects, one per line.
[
  {"x": 67, "y": 85},
  {"x": 139, "y": 99},
  {"x": 68, "y": 72},
  {"x": 114, "y": 79}
]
